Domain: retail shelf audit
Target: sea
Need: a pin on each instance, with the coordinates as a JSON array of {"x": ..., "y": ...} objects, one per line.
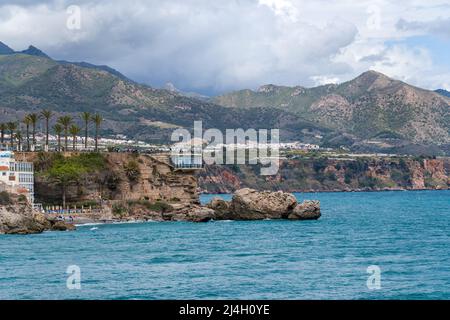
[{"x": 366, "y": 245}]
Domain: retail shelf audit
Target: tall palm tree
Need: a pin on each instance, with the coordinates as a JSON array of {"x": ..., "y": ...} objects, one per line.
[
  {"x": 65, "y": 121},
  {"x": 33, "y": 120},
  {"x": 86, "y": 117},
  {"x": 12, "y": 126},
  {"x": 74, "y": 131},
  {"x": 27, "y": 122},
  {"x": 19, "y": 139},
  {"x": 47, "y": 115},
  {"x": 3, "y": 128},
  {"x": 97, "y": 119},
  {"x": 58, "y": 130}
]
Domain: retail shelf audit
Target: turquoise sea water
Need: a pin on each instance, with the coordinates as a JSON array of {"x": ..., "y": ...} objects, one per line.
[{"x": 405, "y": 234}]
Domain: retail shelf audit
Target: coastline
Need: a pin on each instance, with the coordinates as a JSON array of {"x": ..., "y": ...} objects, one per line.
[
  {"x": 85, "y": 222},
  {"x": 339, "y": 191}
]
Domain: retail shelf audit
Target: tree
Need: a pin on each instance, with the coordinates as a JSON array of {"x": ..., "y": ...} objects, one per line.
[
  {"x": 47, "y": 115},
  {"x": 58, "y": 130},
  {"x": 27, "y": 122},
  {"x": 3, "y": 128},
  {"x": 74, "y": 132},
  {"x": 64, "y": 174},
  {"x": 65, "y": 121},
  {"x": 19, "y": 139},
  {"x": 86, "y": 117},
  {"x": 12, "y": 126},
  {"x": 33, "y": 120},
  {"x": 97, "y": 121}
]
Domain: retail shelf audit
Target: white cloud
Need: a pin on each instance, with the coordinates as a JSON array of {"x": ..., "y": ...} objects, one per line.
[{"x": 212, "y": 46}]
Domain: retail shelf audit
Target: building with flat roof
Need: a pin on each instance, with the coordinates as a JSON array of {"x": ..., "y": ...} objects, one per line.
[{"x": 17, "y": 176}]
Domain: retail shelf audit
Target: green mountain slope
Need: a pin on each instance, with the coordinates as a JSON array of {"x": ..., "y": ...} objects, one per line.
[
  {"x": 29, "y": 83},
  {"x": 368, "y": 106}
]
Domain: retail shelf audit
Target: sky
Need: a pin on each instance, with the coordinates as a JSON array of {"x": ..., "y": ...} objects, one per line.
[{"x": 216, "y": 46}]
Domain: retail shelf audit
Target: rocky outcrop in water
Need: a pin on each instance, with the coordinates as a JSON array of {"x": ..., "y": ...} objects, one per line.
[
  {"x": 308, "y": 210},
  {"x": 249, "y": 204},
  {"x": 19, "y": 218}
]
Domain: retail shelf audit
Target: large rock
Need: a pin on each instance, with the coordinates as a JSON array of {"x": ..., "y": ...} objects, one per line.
[
  {"x": 192, "y": 213},
  {"x": 61, "y": 226},
  {"x": 308, "y": 210},
  {"x": 22, "y": 219},
  {"x": 249, "y": 204},
  {"x": 221, "y": 209}
]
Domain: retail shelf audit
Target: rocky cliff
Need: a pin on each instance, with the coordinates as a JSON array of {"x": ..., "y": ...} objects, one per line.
[
  {"x": 19, "y": 218},
  {"x": 113, "y": 177},
  {"x": 326, "y": 174}
]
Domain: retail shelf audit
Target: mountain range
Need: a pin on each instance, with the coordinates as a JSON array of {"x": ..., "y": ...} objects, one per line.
[{"x": 369, "y": 113}]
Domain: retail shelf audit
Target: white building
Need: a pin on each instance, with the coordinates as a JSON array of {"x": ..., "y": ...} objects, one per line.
[
  {"x": 188, "y": 156},
  {"x": 17, "y": 175}
]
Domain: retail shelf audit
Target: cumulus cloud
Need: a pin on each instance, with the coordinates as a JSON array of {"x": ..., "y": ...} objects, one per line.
[{"x": 215, "y": 46}]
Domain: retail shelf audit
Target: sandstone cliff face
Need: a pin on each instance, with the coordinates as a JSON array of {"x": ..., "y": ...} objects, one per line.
[
  {"x": 157, "y": 180},
  {"x": 309, "y": 175},
  {"x": 154, "y": 180}
]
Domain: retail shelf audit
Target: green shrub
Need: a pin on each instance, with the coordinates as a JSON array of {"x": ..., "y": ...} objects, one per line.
[
  {"x": 132, "y": 170},
  {"x": 118, "y": 210},
  {"x": 368, "y": 182},
  {"x": 348, "y": 178},
  {"x": 5, "y": 199}
]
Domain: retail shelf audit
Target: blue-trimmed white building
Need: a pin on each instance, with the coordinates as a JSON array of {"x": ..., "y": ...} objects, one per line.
[{"x": 17, "y": 176}]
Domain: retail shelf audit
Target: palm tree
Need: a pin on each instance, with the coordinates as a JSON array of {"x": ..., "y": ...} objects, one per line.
[
  {"x": 3, "y": 128},
  {"x": 19, "y": 140},
  {"x": 47, "y": 115},
  {"x": 65, "y": 121},
  {"x": 97, "y": 121},
  {"x": 58, "y": 130},
  {"x": 74, "y": 131},
  {"x": 27, "y": 122},
  {"x": 33, "y": 120},
  {"x": 12, "y": 126},
  {"x": 86, "y": 117}
]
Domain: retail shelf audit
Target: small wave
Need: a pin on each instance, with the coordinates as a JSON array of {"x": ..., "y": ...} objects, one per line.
[
  {"x": 90, "y": 224},
  {"x": 92, "y": 229}
]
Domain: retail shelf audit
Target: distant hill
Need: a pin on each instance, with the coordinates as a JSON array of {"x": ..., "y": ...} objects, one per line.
[
  {"x": 171, "y": 87},
  {"x": 443, "y": 92},
  {"x": 370, "y": 106},
  {"x": 4, "y": 49}
]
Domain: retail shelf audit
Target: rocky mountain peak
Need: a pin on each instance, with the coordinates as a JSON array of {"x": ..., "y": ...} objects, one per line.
[
  {"x": 4, "y": 49},
  {"x": 33, "y": 51}
]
